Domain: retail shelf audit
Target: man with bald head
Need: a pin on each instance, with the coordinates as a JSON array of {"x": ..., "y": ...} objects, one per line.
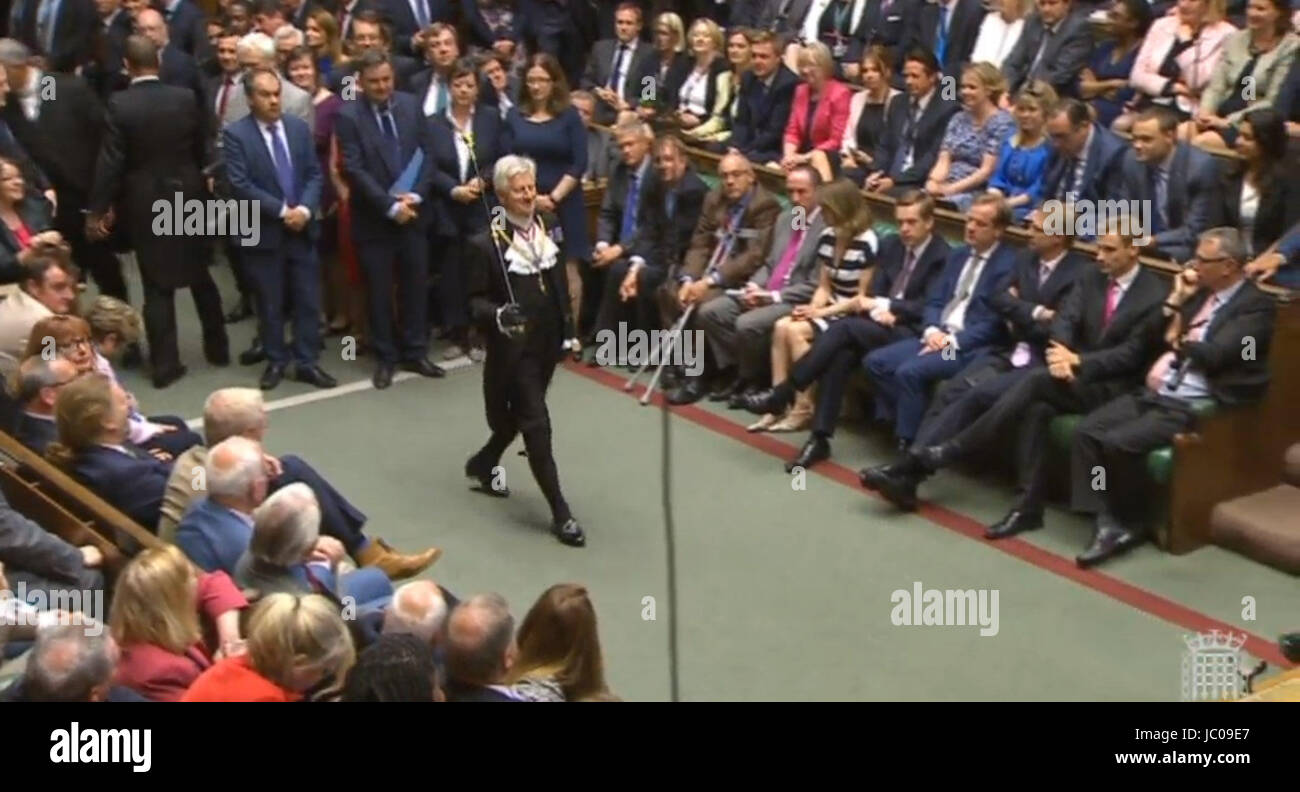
[
  {"x": 420, "y": 608},
  {"x": 728, "y": 246},
  {"x": 215, "y": 532},
  {"x": 39, "y": 381},
  {"x": 176, "y": 67},
  {"x": 480, "y": 649}
]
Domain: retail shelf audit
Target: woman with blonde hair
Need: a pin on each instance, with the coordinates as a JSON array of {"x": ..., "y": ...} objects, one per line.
[
  {"x": 661, "y": 75},
  {"x": 819, "y": 115},
  {"x": 694, "y": 101},
  {"x": 295, "y": 645},
  {"x": 716, "y": 131},
  {"x": 171, "y": 622},
  {"x": 970, "y": 147},
  {"x": 847, "y": 254},
  {"x": 1022, "y": 160},
  {"x": 559, "y": 657}
]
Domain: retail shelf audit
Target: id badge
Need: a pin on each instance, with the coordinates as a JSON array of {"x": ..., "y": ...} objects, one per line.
[{"x": 840, "y": 50}]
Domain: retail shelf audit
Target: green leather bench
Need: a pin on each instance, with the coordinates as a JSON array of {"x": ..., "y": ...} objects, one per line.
[{"x": 1160, "y": 462}]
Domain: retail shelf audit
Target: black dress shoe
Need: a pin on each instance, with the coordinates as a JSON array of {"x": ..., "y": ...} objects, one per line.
[
  {"x": 1015, "y": 522},
  {"x": 725, "y": 389},
  {"x": 219, "y": 357},
  {"x": 871, "y": 477},
  {"x": 1109, "y": 540},
  {"x": 253, "y": 355},
  {"x": 272, "y": 377},
  {"x": 424, "y": 367},
  {"x": 166, "y": 378},
  {"x": 900, "y": 490},
  {"x": 816, "y": 449},
  {"x": 691, "y": 391},
  {"x": 1290, "y": 646},
  {"x": 737, "y": 400},
  {"x": 569, "y": 533},
  {"x": 315, "y": 375},
  {"x": 242, "y": 310},
  {"x": 935, "y": 456},
  {"x": 484, "y": 480},
  {"x": 383, "y": 376},
  {"x": 771, "y": 401}
]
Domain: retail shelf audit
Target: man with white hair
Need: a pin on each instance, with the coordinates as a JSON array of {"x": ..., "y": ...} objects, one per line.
[
  {"x": 241, "y": 412},
  {"x": 215, "y": 533},
  {"x": 258, "y": 51},
  {"x": 285, "y": 555},
  {"x": 519, "y": 298},
  {"x": 287, "y": 39},
  {"x": 418, "y": 608}
]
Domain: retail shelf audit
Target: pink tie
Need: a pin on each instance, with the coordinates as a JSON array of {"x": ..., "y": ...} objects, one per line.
[
  {"x": 1112, "y": 300},
  {"x": 782, "y": 271},
  {"x": 1160, "y": 370}
]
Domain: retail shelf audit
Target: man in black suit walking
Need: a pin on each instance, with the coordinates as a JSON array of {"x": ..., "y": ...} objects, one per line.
[
  {"x": 1215, "y": 353},
  {"x": 153, "y": 149},
  {"x": 45, "y": 128},
  {"x": 387, "y": 158}
]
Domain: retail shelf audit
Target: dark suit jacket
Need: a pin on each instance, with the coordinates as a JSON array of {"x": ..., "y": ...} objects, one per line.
[
  {"x": 886, "y": 26},
  {"x": 663, "y": 239},
  {"x": 187, "y": 30},
  {"x": 761, "y": 115},
  {"x": 600, "y": 66},
  {"x": 371, "y": 168},
  {"x": 401, "y": 20},
  {"x": 1277, "y": 211},
  {"x": 963, "y": 28},
  {"x": 10, "y": 148},
  {"x": 664, "y": 91},
  {"x": 180, "y": 69},
  {"x": 453, "y": 218},
  {"x": 77, "y": 116},
  {"x": 35, "y": 433},
  {"x": 251, "y": 173},
  {"x": 1193, "y": 179},
  {"x": 1018, "y": 311},
  {"x": 103, "y": 64},
  {"x": 71, "y": 38},
  {"x": 132, "y": 483},
  {"x": 1066, "y": 54},
  {"x": 783, "y": 17},
  {"x": 35, "y": 214},
  {"x": 26, "y": 547},
  {"x": 930, "y": 128},
  {"x": 455, "y": 691},
  {"x": 485, "y": 282},
  {"x": 753, "y": 237},
  {"x": 1102, "y": 172},
  {"x": 1119, "y": 352},
  {"x": 983, "y": 326},
  {"x": 889, "y": 266},
  {"x": 479, "y": 32},
  {"x": 609, "y": 222},
  {"x": 405, "y": 69},
  {"x": 1232, "y": 378}
]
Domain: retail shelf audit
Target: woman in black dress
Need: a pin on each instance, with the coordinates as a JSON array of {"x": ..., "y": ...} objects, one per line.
[{"x": 866, "y": 116}]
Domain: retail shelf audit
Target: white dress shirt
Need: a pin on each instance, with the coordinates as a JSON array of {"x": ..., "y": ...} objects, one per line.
[{"x": 997, "y": 37}]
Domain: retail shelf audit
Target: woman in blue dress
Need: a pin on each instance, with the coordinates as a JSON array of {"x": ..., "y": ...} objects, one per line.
[
  {"x": 970, "y": 146},
  {"x": 547, "y": 129},
  {"x": 1105, "y": 83},
  {"x": 1022, "y": 162}
]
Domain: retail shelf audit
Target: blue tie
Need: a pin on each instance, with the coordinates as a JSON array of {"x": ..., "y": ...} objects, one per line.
[
  {"x": 45, "y": 24},
  {"x": 941, "y": 37},
  {"x": 283, "y": 170},
  {"x": 671, "y": 203},
  {"x": 390, "y": 129},
  {"x": 1160, "y": 192},
  {"x": 421, "y": 14},
  {"x": 629, "y": 210},
  {"x": 441, "y": 105},
  {"x": 612, "y": 83}
]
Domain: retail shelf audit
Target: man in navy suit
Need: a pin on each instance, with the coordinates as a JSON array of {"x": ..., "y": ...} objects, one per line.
[
  {"x": 185, "y": 27},
  {"x": 766, "y": 93},
  {"x": 915, "y": 122},
  {"x": 959, "y": 322},
  {"x": 39, "y": 381},
  {"x": 58, "y": 29},
  {"x": 215, "y": 531},
  {"x": 271, "y": 159},
  {"x": 1086, "y": 158},
  {"x": 1177, "y": 181},
  {"x": 408, "y": 20},
  {"x": 387, "y": 158},
  {"x": 947, "y": 29}
]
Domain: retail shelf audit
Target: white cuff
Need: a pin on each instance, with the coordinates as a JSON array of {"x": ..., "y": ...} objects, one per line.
[
  {"x": 776, "y": 295},
  {"x": 881, "y": 305},
  {"x": 635, "y": 263},
  {"x": 1037, "y": 313},
  {"x": 931, "y": 329}
]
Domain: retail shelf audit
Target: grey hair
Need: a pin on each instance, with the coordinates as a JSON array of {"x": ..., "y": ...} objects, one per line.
[
  {"x": 34, "y": 374},
  {"x": 1229, "y": 241},
  {"x": 639, "y": 128},
  {"x": 14, "y": 53},
  {"x": 287, "y": 31},
  {"x": 258, "y": 42},
  {"x": 478, "y": 636},
  {"x": 233, "y": 465},
  {"x": 418, "y": 608},
  {"x": 285, "y": 526},
  {"x": 68, "y": 663},
  {"x": 508, "y": 167},
  {"x": 231, "y": 411}
]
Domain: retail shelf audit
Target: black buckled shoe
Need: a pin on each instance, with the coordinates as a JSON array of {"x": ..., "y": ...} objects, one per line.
[
  {"x": 484, "y": 481},
  {"x": 1015, "y": 522},
  {"x": 569, "y": 533},
  {"x": 815, "y": 449}
]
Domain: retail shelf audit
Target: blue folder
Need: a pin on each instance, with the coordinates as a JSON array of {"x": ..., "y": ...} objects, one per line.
[{"x": 410, "y": 173}]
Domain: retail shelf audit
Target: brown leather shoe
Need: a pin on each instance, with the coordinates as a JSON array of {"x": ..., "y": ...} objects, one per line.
[{"x": 397, "y": 566}]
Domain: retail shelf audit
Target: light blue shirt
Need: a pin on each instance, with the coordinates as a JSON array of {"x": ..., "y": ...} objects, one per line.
[{"x": 1194, "y": 384}]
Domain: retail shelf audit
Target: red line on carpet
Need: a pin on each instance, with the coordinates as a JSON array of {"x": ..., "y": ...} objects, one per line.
[{"x": 1145, "y": 601}]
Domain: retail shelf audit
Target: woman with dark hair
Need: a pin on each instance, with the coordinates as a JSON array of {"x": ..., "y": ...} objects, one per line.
[
  {"x": 559, "y": 655},
  {"x": 714, "y": 133},
  {"x": 1249, "y": 76},
  {"x": 866, "y": 121},
  {"x": 24, "y": 219},
  {"x": 1104, "y": 84},
  {"x": 466, "y": 144},
  {"x": 1257, "y": 196},
  {"x": 394, "y": 668},
  {"x": 546, "y": 128}
]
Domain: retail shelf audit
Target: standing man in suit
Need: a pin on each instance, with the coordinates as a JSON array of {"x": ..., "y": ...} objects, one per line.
[
  {"x": 915, "y": 122},
  {"x": 564, "y": 28},
  {"x": 59, "y": 30},
  {"x": 615, "y": 62},
  {"x": 738, "y": 329},
  {"x": 433, "y": 85},
  {"x": 409, "y": 19},
  {"x": 946, "y": 29},
  {"x": 347, "y": 12},
  {"x": 298, "y": 11},
  {"x": 185, "y": 27},
  {"x": 45, "y": 127},
  {"x": 783, "y": 19},
  {"x": 270, "y": 158},
  {"x": 908, "y": 264},
  {"x": 728, "y": 246},
  {"x": 370, "y": 33},
  {"x": 153, "y": 148},
  {"x": 1178, "y": 181},
  {"x": 766, "y": 95},
  {"x": 387, "y": 158},
  {"x": 177, "y": 66},
  {"x": 960, "y": 321},
  {"x": 670, "y": 203},
  {"x": 1086, "y": 159},
  {"x": 257, "y": 51},
  {"x": 1054, "y": 47},
  {"x": 1213, "y": 312}
]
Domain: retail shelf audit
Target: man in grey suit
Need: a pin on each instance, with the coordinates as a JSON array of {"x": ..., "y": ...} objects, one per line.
[
  {"x": 615, "y": 61},
  {"x": 257, "y": 51},
  {"x": 1054, "y": 47},
  {"x": 738, "y": 327},
  {"x": 1177, "y": 181},
  {"x": 602, "y": 154},
  {"x": 39, "y": 561}
]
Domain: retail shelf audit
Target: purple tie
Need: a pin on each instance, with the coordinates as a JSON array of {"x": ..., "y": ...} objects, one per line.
[
  {"x": 909, "y": 263},
  {"x": 283, "y": 170}
]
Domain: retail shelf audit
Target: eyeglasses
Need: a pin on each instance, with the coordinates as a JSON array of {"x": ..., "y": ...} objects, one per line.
[
  {"x": 1215, "y": 260},
  {"x": 75, "y": 343}
]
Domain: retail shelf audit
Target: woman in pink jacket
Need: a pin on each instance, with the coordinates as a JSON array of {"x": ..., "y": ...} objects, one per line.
[
  {"x": 1177, "y": 59},
  {"x": 819, "y": 115}
]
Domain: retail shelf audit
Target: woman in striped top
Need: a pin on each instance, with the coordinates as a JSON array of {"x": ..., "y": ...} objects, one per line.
[{"x": 847, "y": 254}]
